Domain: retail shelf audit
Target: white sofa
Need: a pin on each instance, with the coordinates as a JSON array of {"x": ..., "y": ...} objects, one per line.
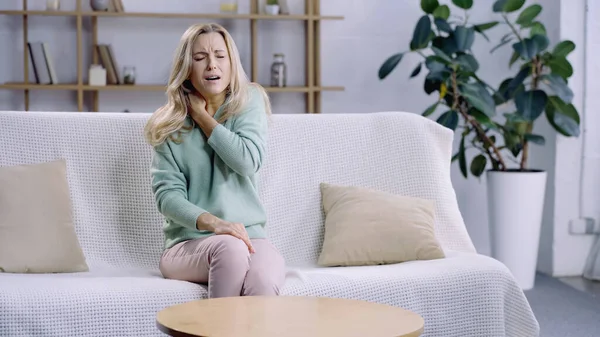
[{"x": 119, "y": 228}]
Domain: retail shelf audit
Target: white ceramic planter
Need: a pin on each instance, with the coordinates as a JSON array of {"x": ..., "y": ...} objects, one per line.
[
  {"x": 272, "y": 9},
  {"x": 515, "y": 209}
]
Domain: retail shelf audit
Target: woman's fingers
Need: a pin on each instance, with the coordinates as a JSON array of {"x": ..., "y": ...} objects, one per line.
[
  {"x": 239, "y": 231},
  {"x": 244, "y": 236}
]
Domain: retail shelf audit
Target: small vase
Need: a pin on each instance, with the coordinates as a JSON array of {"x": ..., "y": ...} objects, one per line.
[
  {"x": 272, "y": 9},
  {"x": 129, "y": 75},
  {"x": 100, "y": 5}
]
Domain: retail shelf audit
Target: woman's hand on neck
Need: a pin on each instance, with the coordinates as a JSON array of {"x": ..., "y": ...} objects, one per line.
[
  {"x": 199, "y": 111},
  {"x": 214, "y": 102}
]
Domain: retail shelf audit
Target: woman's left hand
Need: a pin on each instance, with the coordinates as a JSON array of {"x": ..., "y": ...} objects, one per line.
[{"x": 197, "y": 108}]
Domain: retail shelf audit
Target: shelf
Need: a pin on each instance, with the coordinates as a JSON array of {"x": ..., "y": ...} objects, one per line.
[
  {"x": 35, "y": 86},
  {"x": 175, "y": 15},
  {"x": 88, "y": 97},
  {"x": 140, "y": 87}
]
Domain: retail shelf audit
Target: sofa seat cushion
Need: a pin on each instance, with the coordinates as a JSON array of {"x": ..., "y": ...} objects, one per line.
[
  {"x": 464, "y": 294},
  {"x": 102, "y": 302}
]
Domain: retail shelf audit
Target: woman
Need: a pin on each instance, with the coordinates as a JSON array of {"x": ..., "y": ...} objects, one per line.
[{"x": 209, "y": 143}]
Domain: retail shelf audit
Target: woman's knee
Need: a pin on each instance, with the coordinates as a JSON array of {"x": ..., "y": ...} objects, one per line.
[
  {"x": 266, "y": 275},
  {"x": 230, "y": 251}
]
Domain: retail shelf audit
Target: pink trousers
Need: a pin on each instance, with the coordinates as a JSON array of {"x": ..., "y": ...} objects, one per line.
[{"x": 225, "y": 264}]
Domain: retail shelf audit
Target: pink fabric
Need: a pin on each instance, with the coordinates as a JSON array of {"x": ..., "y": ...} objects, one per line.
[{"x": 225, "y": 264}]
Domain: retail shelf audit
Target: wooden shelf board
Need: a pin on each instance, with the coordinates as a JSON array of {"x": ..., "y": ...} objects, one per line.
[
  {"x": 139, "y": 87},
  {"x": 35, "y": 86},
  {"x": 175, "y": 15}
]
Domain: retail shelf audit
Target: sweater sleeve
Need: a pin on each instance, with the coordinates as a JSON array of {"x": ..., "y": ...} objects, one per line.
[
  {"x": 169, "y": 186},
  {"x": 243, "y": 147}
]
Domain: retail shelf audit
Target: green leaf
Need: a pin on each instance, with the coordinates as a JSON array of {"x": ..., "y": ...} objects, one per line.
[
  {"x": 531, "y": 104},
  {"x": 431, "y": 85},
  {"x": 422, "y": 34},
  {"x": 438, "y": 52},
  {"x": 464, "y": 4},
  {"x": 530, "y": 47},
  {"x": 485, "y": 26},
  {"x": 442, "y": 25},
  {"x": 482, "y": 118},
  {"x": 430, "y": 109},
  {"x": 428, "y": 6},
  {"x": 512, "y": 5},
  {"x": 558, "y": 87},
  {"x": 467, "y": 62},
  {"x": 417, "y": 70},
  {"x": 478, "y": 96},
  {"x": 442, "y": 12},
  {"x": 517, "y": 82},
  {"x": 537, "y": 139},
  {"x": 446, "y": 44},
  {"x": 464, "y": 37},
  {"x": 561, "y": 67},
  {"x": 449, "y": 119},
  {"x": 529, "y": 14},
  {"x": 389, "y": 65},
  {"x": 563, "y": 48},
  {"x": 541, "y": 42},
  {"x": 478, "y": 165},
  {"x": 499, "y": 6},
  {"x": 462, "y": 158},
  {"x": 513, "y": 58},
  {"x": 537, "y": 28},
  {"x": 502, "y": 43},
  {"x": 563, "y": 117},
  {"x": 433, "y": 63}
]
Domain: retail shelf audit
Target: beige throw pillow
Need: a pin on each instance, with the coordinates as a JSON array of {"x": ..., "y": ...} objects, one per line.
[
  {"x": 36, "y": 226},
  {"x": 368, "y": 227}
]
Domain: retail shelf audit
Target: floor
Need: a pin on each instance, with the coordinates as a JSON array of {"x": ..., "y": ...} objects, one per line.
[
  {"x": 566, "y": 307},
  {"x": 582, "y": 284}
]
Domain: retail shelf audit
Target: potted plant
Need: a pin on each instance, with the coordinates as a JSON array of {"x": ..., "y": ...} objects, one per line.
[
  {"x": 272, "y": 7},
  {"x": 498, "y": 123}
]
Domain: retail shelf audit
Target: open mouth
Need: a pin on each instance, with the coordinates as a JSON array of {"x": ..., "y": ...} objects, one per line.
[{"x": 212, "y": 78}]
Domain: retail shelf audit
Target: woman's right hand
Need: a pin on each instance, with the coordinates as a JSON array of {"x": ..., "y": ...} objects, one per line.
[
  {"x": 221, "y": 227},
  {"x": 235, "y": 229}
]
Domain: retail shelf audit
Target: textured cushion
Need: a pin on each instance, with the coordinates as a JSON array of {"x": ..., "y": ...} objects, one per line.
[
  {"x": 367, "y": 227},
  {"x": 36, "y": 226}
]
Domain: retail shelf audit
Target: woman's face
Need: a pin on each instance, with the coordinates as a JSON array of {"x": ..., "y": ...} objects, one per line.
[{"x": 211, "y": 67}]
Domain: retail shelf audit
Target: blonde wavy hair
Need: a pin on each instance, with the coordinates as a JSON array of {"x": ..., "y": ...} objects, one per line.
[{"x": 168, "y": 121}]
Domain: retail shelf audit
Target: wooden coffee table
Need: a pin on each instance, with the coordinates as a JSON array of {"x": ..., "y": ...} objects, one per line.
[{"x": 287, "y": 316}]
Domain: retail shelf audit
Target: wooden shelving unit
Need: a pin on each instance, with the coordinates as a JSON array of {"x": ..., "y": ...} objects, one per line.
[{"x": 312, "y": 19}]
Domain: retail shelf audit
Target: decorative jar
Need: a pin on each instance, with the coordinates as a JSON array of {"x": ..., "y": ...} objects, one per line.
[
  {"x": 129, "y": 75},
  {"x": 278, "y": 71}
]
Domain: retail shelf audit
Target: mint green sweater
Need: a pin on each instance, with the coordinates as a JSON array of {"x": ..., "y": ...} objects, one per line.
[{"x": 216, "y": 175}]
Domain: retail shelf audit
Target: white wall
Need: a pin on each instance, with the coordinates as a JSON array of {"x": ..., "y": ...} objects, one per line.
[
  {"x": 575, "y": 197},
  {"x": 352, "y": 51}
]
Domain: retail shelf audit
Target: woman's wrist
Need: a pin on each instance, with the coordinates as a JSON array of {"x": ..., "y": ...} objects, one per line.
[{"x": 206, "y": 222}]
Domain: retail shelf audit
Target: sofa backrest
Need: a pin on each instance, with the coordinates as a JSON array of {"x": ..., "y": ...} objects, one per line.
[{"x": 115, "y": 214}]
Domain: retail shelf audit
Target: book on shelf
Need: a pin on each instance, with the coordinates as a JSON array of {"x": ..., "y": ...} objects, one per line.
[
  {"x": 117, "y": 6},
  {"x": 107, "y": 59},
  {"x": 42, "y": 62}
]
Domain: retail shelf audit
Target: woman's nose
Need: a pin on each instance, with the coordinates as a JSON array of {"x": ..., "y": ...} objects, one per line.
[{"x": 211, "y": 64}]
